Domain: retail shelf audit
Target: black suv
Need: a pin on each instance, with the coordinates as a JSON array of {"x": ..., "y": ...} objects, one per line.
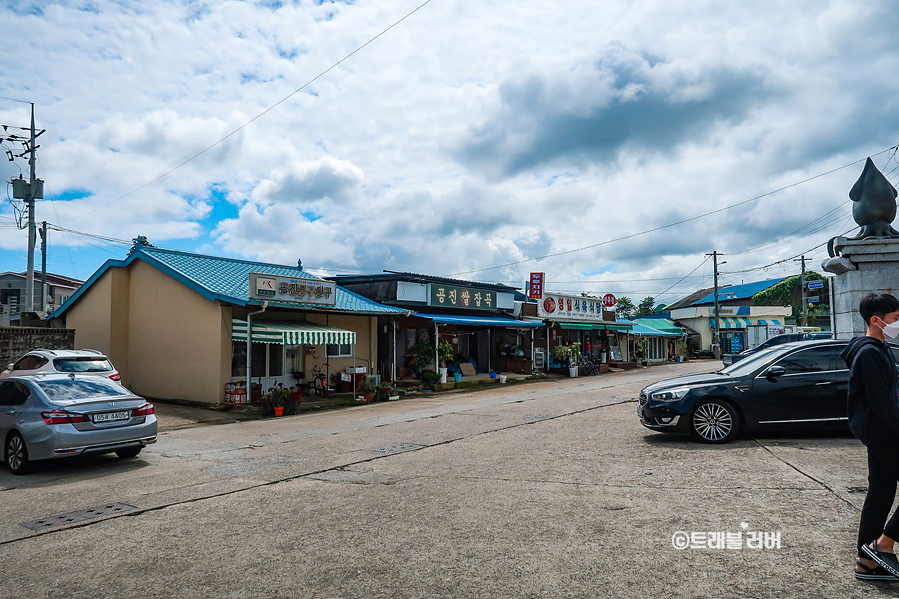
[
  {"x": 783, "y": 388},
  {"x": 729, "y": 359}
]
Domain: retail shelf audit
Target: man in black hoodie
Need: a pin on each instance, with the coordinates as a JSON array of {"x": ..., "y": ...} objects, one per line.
[{"x": 873, "y": 409}]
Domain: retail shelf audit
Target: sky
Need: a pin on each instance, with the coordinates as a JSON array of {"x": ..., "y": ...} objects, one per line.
[{"x": 482, "y": 141}]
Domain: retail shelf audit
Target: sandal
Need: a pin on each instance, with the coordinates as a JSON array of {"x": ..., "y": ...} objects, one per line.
[
  {"x": 877, "y": 573},
  {"x": 886, "y": 560}
]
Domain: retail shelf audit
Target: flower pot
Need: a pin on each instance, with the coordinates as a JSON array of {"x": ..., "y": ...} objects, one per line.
[
  {"x": 279, "y": 411},
  {"x": 368, "y": 397},
  {"x": 572, "y": 371},
  {"x": 442, "y": 374},
  {"x": 457, "y": 377}
]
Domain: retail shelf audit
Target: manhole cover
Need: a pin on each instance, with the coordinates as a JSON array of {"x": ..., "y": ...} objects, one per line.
[
  {"x": 396, "y": 448},
  {"x": 537, "y": 417},
  {"x": 78, "y": 516}
]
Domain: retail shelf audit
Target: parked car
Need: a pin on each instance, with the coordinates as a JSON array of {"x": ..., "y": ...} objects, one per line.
[
  {"x": 729, "y": 359},
  {"x": 42, "y": 361},
  {"x": 48, "y": 416},
  {"x": 787, "y": 387}
]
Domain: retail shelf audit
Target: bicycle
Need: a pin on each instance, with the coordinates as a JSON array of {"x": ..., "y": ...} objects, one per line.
[
  {"x": 590, "y": 365},
  {"x": 319, "y": 383}
]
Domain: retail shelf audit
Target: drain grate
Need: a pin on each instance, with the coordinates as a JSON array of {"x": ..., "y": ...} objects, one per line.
[
  {"x": 537, "y": 417},
  {"x": 396, "y": 448},
  {"x": 78, "y": 516}
]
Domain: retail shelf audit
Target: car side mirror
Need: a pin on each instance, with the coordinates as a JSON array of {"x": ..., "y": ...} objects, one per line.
[
  {"x": 775, "y": 371},
  {"x": 10, "y": 367}
]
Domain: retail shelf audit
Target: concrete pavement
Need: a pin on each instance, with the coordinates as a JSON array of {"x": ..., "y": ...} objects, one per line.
[{"x": 544, "y": 490}]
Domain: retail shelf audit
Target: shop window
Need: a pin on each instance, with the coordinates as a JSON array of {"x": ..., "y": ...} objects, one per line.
[
  {"x": 275, "y": 359},
  {"x": 239, "y": 359},
  {"x": 342, "y": 350},
  {"x": 294, "y": 359},
  {"x": 259, "y": 359}
]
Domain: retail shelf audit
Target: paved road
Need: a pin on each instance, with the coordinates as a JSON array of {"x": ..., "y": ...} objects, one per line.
[{"x": 550, "y": 489}]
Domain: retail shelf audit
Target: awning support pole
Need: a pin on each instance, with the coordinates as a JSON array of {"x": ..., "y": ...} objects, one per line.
[
  {"x": 548, "y": 332},
  {"x": 393, "y": 371},
  {"x": 354, "y": 371},
  {"x": 436, "y": 343},
  {"x": 250, "y": 349}
]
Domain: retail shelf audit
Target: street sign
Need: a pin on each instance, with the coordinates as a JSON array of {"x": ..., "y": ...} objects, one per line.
[
  {"x": 816, "y": 284},
  {"x": 814, "y": 300},
  {"x": 535, "y": 290}
]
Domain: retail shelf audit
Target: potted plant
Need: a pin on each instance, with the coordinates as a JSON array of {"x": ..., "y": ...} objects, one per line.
[
  {"x": 683, "y": 352},
  {"x": 444, "y": 355},
  {"x": 385, "y": 390},
  {"x": 640, "y": 349},
  {"x": 367, "y": 388},
  {"x": 283, "y": 400},
  {"x": 561, "y": 353},
  {"x": 574, "y": 359}
]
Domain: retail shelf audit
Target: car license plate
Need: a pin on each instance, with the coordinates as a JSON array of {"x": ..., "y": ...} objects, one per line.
[{"x": 111, "y": 416}]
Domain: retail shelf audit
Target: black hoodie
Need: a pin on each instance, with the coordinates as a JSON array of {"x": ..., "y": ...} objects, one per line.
[{"x": 873, "y": 401}]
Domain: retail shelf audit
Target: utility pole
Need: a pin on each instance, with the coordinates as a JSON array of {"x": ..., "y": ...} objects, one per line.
[
  {"x": 804, "y": 294},
  {"x": 716, "y": 348},
  {"x": 43, "y": 233},
  {"x": 29, "y": 202}
]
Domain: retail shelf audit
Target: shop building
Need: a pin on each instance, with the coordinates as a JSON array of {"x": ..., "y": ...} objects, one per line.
[
  {"x": 174, "y": 324},
  {"x": 737, "y": 313},
  {"x": 585, "y": 320},
  {"x": 654, "y": 339},
  {"x": 482, "y": 321}
]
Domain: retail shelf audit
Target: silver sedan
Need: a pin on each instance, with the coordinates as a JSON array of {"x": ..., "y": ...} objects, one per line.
[{"x": 49, "y": 416}]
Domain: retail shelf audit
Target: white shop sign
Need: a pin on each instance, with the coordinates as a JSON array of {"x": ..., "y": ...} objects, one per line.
[
  {"x": 276, "y": 288},
  {"x": 571, "y": 307}
]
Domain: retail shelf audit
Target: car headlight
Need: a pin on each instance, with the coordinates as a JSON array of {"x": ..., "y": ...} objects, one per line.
[{"x": 670, "y": 394}]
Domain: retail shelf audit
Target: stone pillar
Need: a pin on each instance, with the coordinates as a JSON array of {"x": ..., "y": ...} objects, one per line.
[{"x": 862, "y": 266}]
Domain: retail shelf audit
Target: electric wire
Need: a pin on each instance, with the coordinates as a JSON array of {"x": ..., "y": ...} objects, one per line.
[
  {"x": 263, "y": 113},
  {"x": 680, "y": 222}
]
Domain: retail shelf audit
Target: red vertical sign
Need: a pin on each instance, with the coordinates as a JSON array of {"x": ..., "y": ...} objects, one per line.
[{"x": 535, "y": 290}]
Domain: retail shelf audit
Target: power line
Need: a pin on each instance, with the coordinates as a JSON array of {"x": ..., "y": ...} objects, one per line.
[
  {"x": 264, "y": 112},
  {"x": 680, "y": 222}
]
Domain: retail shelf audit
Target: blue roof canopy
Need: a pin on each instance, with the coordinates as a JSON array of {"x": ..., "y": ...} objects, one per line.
[
  {"x": 491, "y": 321},
  {"x": 738, "y": 292},
  {"x": 228, "y": 280}
]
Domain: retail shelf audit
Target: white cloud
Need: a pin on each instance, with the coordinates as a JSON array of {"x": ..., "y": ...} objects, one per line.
[{"x": 468, "y": 136}]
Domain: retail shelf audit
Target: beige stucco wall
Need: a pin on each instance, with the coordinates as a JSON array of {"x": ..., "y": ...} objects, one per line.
[
  {"x": 91, "y": 317},
  {"x": 175, "y": 339}
]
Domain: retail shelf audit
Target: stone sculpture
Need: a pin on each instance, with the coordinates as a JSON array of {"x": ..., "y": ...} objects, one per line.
[{"x": 874, "y": 205}]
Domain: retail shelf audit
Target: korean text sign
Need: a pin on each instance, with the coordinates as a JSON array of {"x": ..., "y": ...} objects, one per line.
[
  {"x": 289, "y": 289},
  {"x": 451, "y": 296}
]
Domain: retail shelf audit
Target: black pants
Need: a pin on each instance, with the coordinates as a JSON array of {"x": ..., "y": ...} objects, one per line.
[{"x": 883, "y": 472}]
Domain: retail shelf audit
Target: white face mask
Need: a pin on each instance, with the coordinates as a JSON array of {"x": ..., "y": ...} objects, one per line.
[{"x": 891, "y": 331}]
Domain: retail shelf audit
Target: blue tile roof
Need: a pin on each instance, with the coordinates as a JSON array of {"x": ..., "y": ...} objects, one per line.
[
  {"x": 738, "y": 292},
  {"x": 227, "y": 279}
]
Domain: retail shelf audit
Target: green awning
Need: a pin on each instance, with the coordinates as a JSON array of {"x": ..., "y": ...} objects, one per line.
[
  {"x": 292, "y": 333},
  {"x": 594, "y": 326}
]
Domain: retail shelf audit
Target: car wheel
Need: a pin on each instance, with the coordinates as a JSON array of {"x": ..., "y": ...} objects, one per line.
[
  {"x": 714, "y": 421},
  {"x": 128, "y": 452},
  {"x": 17, "y": 454}
]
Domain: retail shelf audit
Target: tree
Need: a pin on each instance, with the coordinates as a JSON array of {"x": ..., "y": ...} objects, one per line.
[
  {"x": 625, "y": 308},
  {"x": 789, "y": 293},
  {"x": 646, "y": 306}
]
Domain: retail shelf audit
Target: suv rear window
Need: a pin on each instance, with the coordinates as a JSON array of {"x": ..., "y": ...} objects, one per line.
[
  {"x": 67, "y": 389},
  {"x": 86, "y": 364}
]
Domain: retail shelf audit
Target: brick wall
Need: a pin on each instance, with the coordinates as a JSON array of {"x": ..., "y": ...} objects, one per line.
[{"x": 15, "y": 341}]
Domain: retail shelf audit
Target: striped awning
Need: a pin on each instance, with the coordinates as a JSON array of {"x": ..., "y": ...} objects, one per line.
[
  {"x": 771, "y": 321},
  {"x": 292, "y": 333},
  {"x": 730, "y": 322}
]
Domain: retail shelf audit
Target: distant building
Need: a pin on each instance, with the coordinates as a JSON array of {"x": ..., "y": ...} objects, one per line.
[
  {"x": 13, "y": 298},
  {"x": 737, "y": 312}
]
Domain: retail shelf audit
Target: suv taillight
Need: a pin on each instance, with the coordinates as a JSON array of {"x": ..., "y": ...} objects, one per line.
[
  {"x": 144, "y": 410},
  {"x": 115, "y": 376},
  {"x": 62, "y": 417}
]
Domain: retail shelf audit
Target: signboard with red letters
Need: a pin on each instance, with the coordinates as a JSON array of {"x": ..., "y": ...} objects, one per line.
[
  {"x": 535, "y": 289},
  {"x": 572, "y": 307}
]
